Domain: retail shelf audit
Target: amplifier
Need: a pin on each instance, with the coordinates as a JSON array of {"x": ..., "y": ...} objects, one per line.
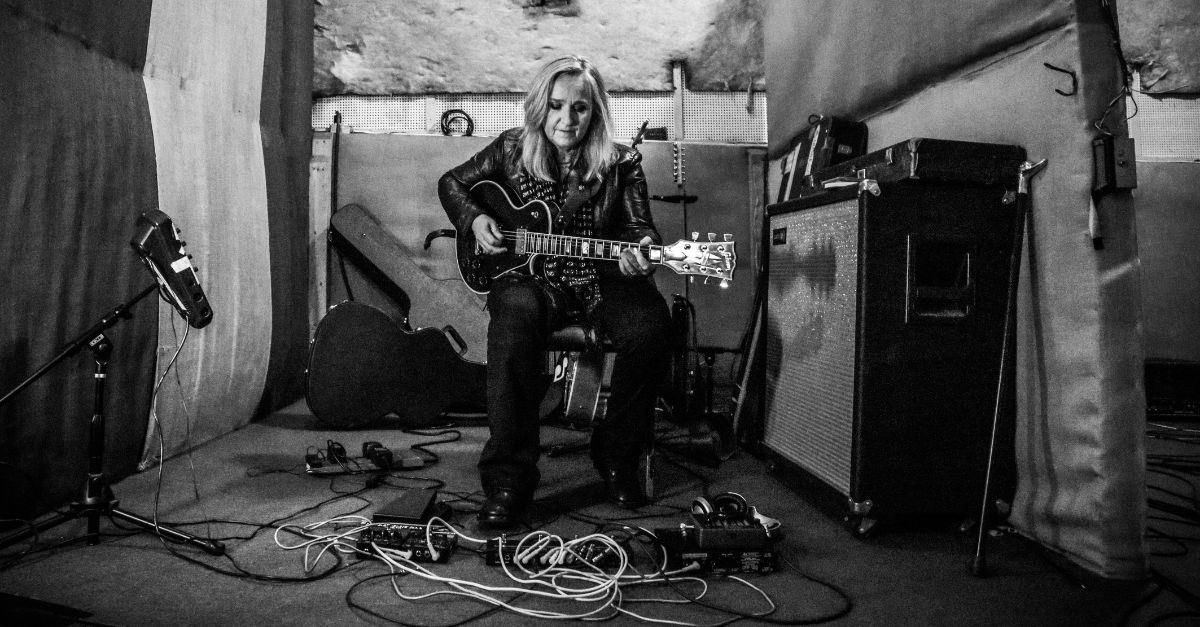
[
  {"x": 884, "y": 322},
  {"x": 1172, "y": 389}
]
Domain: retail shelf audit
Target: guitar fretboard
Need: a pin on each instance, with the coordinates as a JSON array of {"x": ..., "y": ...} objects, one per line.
[{"x": 531, "y": 243}]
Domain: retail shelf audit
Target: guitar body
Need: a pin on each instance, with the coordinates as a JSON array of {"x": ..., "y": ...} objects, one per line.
[
  {"x": 363, "y": 366},
  {"x": 479, "y": 270},
  {"x": 527, "y": 234}
]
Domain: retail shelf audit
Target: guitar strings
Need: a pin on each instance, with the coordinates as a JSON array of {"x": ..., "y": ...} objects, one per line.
[{"x": 546, "y": 242}]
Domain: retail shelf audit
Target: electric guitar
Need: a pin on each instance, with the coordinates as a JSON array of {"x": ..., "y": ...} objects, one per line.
[{"x": 528, "y": 234}]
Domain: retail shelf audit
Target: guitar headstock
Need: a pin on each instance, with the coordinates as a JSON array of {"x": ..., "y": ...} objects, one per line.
[{"x": 712, "y": 259}]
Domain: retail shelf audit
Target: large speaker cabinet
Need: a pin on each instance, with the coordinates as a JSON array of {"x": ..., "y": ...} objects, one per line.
[{"x": 884, "y": 323}]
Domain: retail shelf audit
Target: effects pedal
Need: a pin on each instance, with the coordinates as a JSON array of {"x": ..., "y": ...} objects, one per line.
[
  {"x": 596, "y": 554},
  {"x": 316, "y": 466},
  {"x": 410, "y": 538},
  {"x": 413, "y": 507},
  {"x": 720, "y": 545}
]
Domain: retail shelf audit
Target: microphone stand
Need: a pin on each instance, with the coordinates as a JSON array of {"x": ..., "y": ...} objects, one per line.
[
  {"x": 1026, "y": 172},
  {"x": 98, "y": 496}
]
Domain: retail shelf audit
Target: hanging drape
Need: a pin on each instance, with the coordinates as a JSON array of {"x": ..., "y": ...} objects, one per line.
[{"x": 200, "y": 110}]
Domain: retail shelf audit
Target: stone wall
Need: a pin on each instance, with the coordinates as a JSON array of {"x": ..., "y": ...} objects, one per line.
[
  {"x": 1162, "y": 41},
  {"x": 439, "y": 46}
]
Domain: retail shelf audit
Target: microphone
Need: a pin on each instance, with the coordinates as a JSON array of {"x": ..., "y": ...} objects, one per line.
[{"x": 157, "y": 243}]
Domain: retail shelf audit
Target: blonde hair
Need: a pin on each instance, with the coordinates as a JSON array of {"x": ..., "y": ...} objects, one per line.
[{"x": 597, "y": 152}]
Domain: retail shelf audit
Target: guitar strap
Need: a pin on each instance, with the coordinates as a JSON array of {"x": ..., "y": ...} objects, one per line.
[{"x": 577, "y": 195}]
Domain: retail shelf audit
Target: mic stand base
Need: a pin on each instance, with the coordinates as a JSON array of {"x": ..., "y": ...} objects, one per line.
[
  {"x": 97, "y": 496},
  {"x": 109, "y": 507}
]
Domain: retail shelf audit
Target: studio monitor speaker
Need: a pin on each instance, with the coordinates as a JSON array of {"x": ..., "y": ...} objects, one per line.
[{"x": 885, "y": 313}]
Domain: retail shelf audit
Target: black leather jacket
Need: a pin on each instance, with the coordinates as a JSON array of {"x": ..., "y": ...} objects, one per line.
[{"x": 622, "y": 211}]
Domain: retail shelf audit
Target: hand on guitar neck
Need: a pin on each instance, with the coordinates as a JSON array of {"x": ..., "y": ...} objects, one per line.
[
  {"x": 490, "y": 240},
  {"x": 509, "y": 237}
]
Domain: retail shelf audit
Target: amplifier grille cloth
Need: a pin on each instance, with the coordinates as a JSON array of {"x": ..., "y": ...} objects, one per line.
[{"x": 811, "y": 316}]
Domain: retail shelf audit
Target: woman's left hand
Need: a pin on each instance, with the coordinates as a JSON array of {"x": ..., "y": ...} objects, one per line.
[{"x": 634, "y": 263}]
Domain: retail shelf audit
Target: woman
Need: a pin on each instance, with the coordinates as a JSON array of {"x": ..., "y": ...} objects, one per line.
[{"x": 565, "y": 154}]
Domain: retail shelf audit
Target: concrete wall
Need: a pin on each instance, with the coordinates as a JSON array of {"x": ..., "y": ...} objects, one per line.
[
  {"x": 432, "y": 46},
  {"x": 1162, "y": 41}
]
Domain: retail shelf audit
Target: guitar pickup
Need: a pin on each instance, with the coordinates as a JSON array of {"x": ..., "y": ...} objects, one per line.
[{"x": 521, "y": 241}]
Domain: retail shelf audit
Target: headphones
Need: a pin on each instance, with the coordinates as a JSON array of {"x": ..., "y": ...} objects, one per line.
[
  {"x": 452, "y": 121},
  {"x": 731, "y": 505},
  {"x": 727, "y": 504}
]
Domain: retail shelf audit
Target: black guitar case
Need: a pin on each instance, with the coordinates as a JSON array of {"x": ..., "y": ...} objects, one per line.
[{"x": 363, "y": 366}]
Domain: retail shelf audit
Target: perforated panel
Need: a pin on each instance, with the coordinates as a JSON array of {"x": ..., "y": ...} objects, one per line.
[
  {"x": 716, "y": 117},
  {"x": 630, "y": 109},
  {"x": 382, "y": 114},
  {"x": 1165, "y": 129},
  {"x": 492, "y": 114},
  {"x": 811, "y": 321},
  {"x": 725, "y": 117}
]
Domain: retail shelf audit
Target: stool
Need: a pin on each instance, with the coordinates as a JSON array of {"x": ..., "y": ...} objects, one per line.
[{"x": 589, "y": 365}]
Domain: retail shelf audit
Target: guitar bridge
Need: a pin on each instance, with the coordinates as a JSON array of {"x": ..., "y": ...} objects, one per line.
[{"x": 519, "y": 248}]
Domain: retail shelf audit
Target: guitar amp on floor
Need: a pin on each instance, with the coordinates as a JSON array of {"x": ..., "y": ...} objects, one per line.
[{"x": 885, "y": 307}]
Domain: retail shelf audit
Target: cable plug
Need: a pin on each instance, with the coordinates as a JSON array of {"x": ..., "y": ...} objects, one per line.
[{"x": 409, "y": 461}]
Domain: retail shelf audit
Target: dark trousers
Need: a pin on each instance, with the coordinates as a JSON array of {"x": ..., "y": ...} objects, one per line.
[{"x": 632, "y": 315}]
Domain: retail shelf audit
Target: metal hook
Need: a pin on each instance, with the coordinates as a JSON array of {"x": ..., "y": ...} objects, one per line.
[{"x": 1074, "y": 80}]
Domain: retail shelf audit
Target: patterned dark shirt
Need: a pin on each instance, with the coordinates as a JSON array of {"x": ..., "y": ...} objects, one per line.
[{"x": 576, "y": 277}]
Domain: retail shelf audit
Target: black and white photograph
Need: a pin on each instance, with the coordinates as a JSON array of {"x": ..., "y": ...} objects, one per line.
[{"x": 638, "y": 312}]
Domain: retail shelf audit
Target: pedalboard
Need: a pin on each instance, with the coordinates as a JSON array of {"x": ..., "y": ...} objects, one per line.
[
  {"x": 408, "y": 537},
  {"x": 720, "y": 545},
  {"x": 318, "y": 467},
  {"x": 593, "y": 553}
]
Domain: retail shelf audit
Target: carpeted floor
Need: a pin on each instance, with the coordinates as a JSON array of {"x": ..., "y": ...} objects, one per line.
[{"x": 242, "y": 487}]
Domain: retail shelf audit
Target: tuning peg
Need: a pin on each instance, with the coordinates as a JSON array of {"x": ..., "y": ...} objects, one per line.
[
  {"x": 712, "y": 237},
  {"x": 724, "y": 284},
  {"x": 695, "y": 235},
  {"x": 729, "y": 237}
]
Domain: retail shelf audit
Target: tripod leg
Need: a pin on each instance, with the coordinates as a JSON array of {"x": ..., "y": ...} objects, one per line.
[
  {"x": 209, "y": 546},
  {"x": 34, "y": 530},
  {"x": 93, "y": 514}
]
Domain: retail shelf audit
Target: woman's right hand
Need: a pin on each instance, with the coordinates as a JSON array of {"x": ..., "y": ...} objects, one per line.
[{"x": 488, "y": 239}]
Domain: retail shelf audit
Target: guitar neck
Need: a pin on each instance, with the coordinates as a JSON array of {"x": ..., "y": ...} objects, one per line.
[{"x": 531, "y": 243}]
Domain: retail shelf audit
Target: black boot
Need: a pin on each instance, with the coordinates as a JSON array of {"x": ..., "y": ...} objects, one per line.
[
  {"x": 503, "y": 508},
  {"x": 621, "y": 482}
]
